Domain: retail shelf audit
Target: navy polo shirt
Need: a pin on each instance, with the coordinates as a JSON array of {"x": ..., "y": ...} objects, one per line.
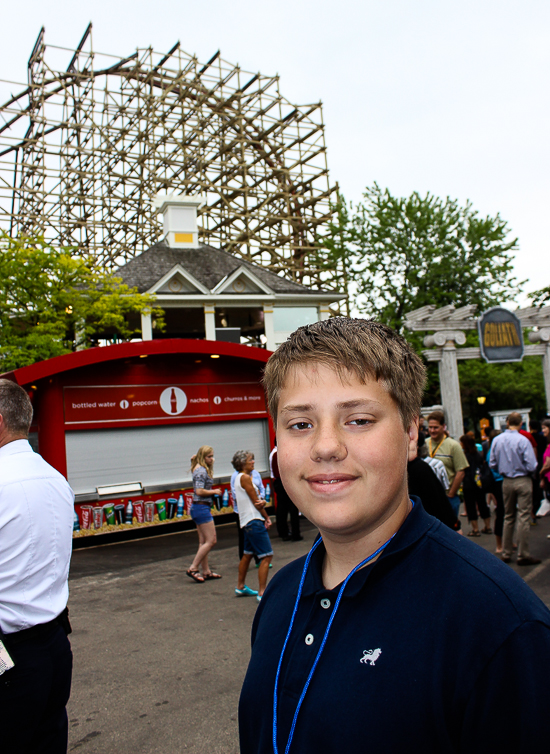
[{"x": 436, "y": 647}]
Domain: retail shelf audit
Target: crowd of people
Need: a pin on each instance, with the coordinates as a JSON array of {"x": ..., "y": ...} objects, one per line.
[{"x": 508, "y": 472}]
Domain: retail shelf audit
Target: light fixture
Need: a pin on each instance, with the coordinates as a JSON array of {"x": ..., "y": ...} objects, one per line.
[
  {"x": 198, "y": 361},
  {"x": 214, "y": 356},
  {"x": 143, "y": 355},
  {"x": 481, "y": 400}
]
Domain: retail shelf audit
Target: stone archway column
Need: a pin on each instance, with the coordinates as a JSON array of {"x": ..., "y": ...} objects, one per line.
[{"x": 448, "y": 377}]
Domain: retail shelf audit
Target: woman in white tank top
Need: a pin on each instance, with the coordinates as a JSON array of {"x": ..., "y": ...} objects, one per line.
[{"x": 254, "y": 522}]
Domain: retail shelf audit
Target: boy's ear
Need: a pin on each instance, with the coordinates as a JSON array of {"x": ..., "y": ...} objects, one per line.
[{"x": 412, "y": 436}]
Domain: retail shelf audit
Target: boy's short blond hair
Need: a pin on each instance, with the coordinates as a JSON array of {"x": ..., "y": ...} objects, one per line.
[{"x": 362, "y": 347}]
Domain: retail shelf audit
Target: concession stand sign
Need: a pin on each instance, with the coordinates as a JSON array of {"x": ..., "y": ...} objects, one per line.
[
  {"x": 500, "y": 336},
  {"x": 128, "y": 403}
]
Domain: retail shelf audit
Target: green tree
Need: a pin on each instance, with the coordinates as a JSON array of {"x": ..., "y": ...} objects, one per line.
[
  {"x": 52, "y": 302},
  {"x": 505, "y": 387},
  {"x": 338, "y": 247},
  {"x": 541, "y": 297},
  {"x": 403, "y": 253}
]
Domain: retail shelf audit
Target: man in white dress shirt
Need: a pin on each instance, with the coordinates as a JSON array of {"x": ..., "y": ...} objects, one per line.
[{"x": 36, "y": 521}]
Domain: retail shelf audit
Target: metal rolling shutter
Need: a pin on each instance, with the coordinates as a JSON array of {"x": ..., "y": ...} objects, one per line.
[{"x": 158, "y": 455}]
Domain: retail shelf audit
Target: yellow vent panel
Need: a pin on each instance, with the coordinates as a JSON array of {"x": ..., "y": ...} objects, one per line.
[{"x": 183, "y": 237}]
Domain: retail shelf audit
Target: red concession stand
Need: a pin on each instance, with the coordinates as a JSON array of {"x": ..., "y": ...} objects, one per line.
[{"x": 121, "y": 423}]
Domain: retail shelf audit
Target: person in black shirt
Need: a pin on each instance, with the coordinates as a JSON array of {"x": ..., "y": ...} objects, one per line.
[
  {"x": 424, "y": 483},
  {"x": 474, "y": 497}
]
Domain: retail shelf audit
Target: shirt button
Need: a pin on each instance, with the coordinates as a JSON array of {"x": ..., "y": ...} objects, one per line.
[
  {"x": 309, "y": 639},
  {"x": 325, "y": 603}
]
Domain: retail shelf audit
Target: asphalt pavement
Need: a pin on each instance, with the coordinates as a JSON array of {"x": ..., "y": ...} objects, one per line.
[{"x": 159, "y": 660}]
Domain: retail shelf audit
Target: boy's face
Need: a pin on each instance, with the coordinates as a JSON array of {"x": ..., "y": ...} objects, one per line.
[{"x": 342, "y": 451}]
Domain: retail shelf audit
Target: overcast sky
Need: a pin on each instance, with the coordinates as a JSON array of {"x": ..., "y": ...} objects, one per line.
[{"x": 419, "y": 95}]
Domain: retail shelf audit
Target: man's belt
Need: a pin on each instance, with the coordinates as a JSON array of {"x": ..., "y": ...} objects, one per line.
[{"x": 35, "y": 632}]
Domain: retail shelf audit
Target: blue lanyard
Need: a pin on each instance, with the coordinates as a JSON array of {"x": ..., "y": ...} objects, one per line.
[{"x": 321, "y": 648}]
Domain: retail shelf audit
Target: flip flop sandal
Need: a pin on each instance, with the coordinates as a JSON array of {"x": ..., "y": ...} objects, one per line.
[
  {"x": 195, "y": 575},
  {"x": 474, "y": 534},
  {"x": 211, "y": 575}
]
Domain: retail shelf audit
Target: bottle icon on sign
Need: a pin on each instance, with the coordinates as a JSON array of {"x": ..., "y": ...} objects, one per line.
[
  {"x": 225, "y": 499},
  {"x": 268, "y": 494},
  {"x": 76, "y": 522},
  {"x": 181, "y": 507},
  {"x": 129, "y": 513},
  {"x": 173, "y": 402}
]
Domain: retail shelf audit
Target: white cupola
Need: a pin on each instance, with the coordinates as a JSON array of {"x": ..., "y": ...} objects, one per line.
[{"x": 180, "y": 219}]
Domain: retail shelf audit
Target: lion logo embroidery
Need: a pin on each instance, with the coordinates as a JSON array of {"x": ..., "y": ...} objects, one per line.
[{"x": 370, "y": 656}]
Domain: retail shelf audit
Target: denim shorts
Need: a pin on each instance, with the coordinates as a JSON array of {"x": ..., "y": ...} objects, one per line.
[
  {"x": 256, "y": 539},
  {"x": 200, "y": 513}
]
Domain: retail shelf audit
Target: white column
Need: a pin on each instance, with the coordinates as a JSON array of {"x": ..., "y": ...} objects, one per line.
[
  {"x": 448, "y": 377},
  {"x": 324, "y": 312},
  {"x": 210, "y": 322},
  {"x": 269, "y": 328},
  {"x": 146, "y": 327},
  {"x": 450, "y": 390}
]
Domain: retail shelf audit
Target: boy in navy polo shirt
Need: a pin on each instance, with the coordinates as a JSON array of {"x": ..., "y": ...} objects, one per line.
[{"x": 395, "y": 633}]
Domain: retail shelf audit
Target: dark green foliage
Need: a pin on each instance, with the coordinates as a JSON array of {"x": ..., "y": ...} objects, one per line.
[
  {"x": 402, "y": 253},
  {"x": 506, "y": 387}
]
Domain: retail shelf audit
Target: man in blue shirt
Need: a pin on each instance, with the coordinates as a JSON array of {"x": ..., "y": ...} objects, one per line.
[
  {"x": 394, "y": 634},
  {"x": 512, "y": 455}
]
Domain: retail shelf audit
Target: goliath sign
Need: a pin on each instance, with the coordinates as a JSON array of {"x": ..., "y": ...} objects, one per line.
[{"x": 500, "y": 336}]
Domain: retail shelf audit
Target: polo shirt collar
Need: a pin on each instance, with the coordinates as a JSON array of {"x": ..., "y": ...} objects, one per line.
[{"x": 412, "y": 530}]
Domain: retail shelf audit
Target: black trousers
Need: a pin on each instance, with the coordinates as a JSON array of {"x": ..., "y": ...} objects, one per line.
[
  {"x": 499, "y": 518},
  {"x": 34, "y": 694},
  {"x": 285, "y": 506},
  {"x": 474, "y": 499}
]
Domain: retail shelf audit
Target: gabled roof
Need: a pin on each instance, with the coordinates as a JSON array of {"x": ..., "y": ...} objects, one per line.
[
  {"x": 207, "y": 265},
  {"x": 178, "y": 280},
  {"x": 242, "y": 280}
]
